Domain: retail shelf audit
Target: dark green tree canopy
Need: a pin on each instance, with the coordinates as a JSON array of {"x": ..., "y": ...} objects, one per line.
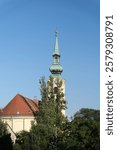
[
  {"x": 84, "y": 130},
  {"x": 5, "y": 137},
  {"x": 3, "y": 128},
  {"x": 86, "y": 113}
]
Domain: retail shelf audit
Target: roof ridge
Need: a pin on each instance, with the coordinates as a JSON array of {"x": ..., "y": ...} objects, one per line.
[
  {"x": 30, "y": 103},
  {"x": 34, "y": 102},
  {"x": 26, "y": 100}
]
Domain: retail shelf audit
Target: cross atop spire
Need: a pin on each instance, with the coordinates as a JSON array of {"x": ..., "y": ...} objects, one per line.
[{"x": 56, "y": 69}]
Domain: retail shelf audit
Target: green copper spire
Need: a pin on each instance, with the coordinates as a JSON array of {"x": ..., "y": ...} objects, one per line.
[{"x": 56, "y": 69}]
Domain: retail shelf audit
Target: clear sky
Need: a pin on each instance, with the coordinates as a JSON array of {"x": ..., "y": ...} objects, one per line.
[{"x": 27, "y": 36}]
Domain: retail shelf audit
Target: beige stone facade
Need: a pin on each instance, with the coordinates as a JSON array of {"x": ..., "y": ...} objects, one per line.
[{"x": 18, "y": 123}]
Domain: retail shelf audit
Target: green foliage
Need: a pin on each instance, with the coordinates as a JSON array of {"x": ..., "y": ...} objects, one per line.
[
  {"x": 83, "y": 132},
  {"x": 87, "y": 113},
  {"x": 47, "y": 129},
  {"x": 5, "y": 137},
  {"x": 52, "y": 131},
  {"x": 3, "y": 129},
  {"x": 17, "y": 146},
  {"x": 6, "y": 142},
  {"x": 22, "y": 141}
]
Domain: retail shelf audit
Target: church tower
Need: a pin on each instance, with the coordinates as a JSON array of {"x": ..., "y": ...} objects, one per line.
[{"x": 56, "y": 69}]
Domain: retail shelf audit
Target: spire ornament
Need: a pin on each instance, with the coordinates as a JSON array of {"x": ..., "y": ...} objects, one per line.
[{"x": 56, "y": 69}]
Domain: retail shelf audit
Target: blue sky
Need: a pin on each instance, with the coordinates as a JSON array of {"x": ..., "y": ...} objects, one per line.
[{"x": 27, "y": 42}]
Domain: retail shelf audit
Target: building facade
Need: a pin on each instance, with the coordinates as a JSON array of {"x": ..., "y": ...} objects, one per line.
[{"x": 19, "y": 113}]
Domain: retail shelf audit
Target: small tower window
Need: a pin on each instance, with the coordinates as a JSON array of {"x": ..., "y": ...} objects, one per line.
[
  {"x": 56, "y": 59},
  {"x": 55, "y": 90}
]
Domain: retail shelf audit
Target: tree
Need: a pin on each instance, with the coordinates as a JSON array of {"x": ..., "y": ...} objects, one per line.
[
  {"x": 5, "y": 137},
  {"x": 84, "y": 131},
  {"x": 17, "y": 146},
  {"x": 22, "y": 141},
  {"x": 46, "y": 132},
  {"x": 3, "y": 129}
]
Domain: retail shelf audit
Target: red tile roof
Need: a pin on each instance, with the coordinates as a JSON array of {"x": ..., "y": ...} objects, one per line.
[{"x": 20, "y": 106}]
